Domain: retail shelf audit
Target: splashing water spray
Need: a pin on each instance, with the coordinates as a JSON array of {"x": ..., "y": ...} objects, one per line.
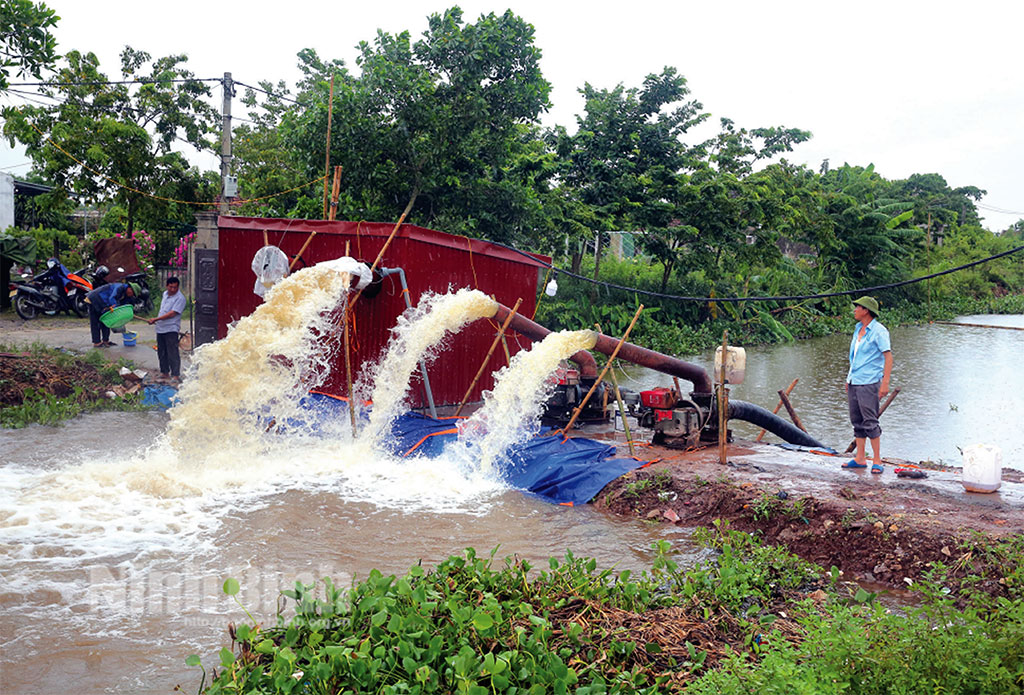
[
  {"x": 511, "y": 412},
  {"x": 267, "y": 362},
  {"x": 418, "y": 330}
]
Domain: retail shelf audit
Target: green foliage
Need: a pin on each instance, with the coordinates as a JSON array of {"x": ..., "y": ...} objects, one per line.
[
  {"x": 650, "y": 483},
  {"x": 27, "y": 47},
  {"x": 41, "y": 407},
  {"x": 72, "y": 250},
  {"x": 123, "y": 132},
  {"x": 470, "y": 627}
]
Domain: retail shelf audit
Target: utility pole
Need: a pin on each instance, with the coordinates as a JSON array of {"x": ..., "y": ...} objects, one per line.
[{"x": 228, "y": 186}]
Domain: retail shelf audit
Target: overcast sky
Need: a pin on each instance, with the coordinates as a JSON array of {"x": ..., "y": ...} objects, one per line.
[{"x": 913, "y": 87}]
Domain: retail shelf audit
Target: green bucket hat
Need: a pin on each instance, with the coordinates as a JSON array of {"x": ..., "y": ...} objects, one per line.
[
  {"x": 138, "y": 290},
  {"x": 869, "y": 303}
]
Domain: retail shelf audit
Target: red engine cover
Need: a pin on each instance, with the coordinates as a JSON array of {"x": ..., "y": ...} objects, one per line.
[{"x": 658, "y": 398}]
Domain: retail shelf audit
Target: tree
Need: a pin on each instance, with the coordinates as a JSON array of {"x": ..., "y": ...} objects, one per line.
[
  {"x": 435, "y": 123},
  {"x": 626, "y": 150},
  {"x": 113, "y": 142},
  {"x": 26, "y": 45}
]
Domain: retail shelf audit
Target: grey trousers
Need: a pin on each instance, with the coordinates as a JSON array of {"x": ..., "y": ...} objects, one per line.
[{"x": 863, "y": 402}]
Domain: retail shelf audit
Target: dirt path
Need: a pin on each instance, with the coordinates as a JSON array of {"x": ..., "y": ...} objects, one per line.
[
  {"x": 881, "y": 529},
  {"x": 73, "y": 334}
]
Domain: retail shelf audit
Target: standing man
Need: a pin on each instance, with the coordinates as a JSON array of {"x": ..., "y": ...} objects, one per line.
[
  {"x": 103, "y": 299},
  {"x": 168, "y": 327},
  {"x": 867, "y": 381}
]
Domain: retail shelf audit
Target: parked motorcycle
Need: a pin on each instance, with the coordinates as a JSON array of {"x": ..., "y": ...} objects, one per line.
[{"x": 54, "y": 290}]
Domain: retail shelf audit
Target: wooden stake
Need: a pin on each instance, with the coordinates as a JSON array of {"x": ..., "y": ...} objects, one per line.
[
  {"x": 266, "y": 242},
  {"x": 723, "y": 432},
  {"x": 853, "y": 444},
  {"x": 327, "y": 153},
  {"x": 600, "y": 377},
  {"x": 789, "y": 390},
  {"x": 789, "y": 409},
  {"x": 335, "y": 188},
  {"x": 483, "y": 365},
  {"x": 348, "y": 363},
  {"x": 622, "y": 406}
]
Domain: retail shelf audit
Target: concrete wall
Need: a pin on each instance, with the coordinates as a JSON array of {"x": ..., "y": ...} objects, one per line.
[{"x": 6, "y": 201}]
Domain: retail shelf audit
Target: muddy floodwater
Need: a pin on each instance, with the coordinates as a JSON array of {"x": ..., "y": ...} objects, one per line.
[
  {"x": 113, "y": 548},
  {"x": 959, "y": 385},
  {"x": 110, "y": 590}
]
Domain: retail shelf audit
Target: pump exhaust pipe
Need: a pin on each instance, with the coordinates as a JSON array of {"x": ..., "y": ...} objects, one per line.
[{"x": 628, "y": 352}]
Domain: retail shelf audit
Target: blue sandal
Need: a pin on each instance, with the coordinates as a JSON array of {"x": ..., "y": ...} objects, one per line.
[
  {"x": 852, "y": 463},
  {"x": 875, "y": 468}
]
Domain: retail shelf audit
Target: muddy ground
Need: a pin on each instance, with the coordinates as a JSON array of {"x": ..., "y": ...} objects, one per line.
[
  {"x": 881, "y": 529},
  {"x": 22, "y": 372}
]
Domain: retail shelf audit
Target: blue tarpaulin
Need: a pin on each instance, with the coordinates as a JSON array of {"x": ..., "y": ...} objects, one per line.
[
  {"x": 558, "y": 470},
  {"x": 159, "y": 396}
]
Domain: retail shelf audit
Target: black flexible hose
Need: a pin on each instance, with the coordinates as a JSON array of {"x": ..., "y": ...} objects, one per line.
[{"x": 748, "y": 412}]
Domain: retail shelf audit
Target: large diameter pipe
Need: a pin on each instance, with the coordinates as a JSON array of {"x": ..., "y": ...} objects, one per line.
[
  {"x": 740, "y": 410},
  {"x": 635, "y": 354}
]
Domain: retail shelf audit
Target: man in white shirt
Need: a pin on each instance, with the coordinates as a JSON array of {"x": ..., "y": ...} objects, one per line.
[{"x": 168, "y": 328}]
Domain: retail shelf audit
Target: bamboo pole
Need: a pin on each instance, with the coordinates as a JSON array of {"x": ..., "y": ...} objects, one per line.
[
  {"x": 301, "y": 251},
  {"x": 483, "y": 365},
  {"x": 789, "y": 409},
  {"x": 405, "y": 213},
  {"x": 376, "y": 262},
  {"x": 600, "y": 377},
  {"x": 723, "y": 421},
  {"x": 789, "y": 390},
  {"x": 348, "y": 364},
  {"x": 622, "y": 406},
  {"x": 881, "y": 410},
  {"x": 335, "y": 189},
  {"x": 979, "y": 325},
  {"x": 327, "y": 152}
]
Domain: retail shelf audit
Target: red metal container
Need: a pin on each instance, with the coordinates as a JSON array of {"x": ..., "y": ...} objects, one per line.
[
  {"x": 432, "y": 260},
  {"x": 658, "y": 398}
]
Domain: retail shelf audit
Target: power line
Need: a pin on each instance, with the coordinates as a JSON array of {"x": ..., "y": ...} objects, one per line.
[
  {"x": 270, "y": 94},
  {"x": 100, "y": 83},
  {"x": 992, "y": 208},
  {"x": 789, "y": 298},
  {"x": 56, "y": 101}
]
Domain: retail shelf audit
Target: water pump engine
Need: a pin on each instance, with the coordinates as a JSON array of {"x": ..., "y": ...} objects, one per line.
[
  {"x": 569, "y": 390},
  {"x": 677, "y": 424}
]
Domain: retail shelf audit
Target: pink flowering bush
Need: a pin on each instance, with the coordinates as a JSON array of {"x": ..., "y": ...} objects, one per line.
[
  {"x": 180, "y": 257},
  {"x": 144, "y": 246}
]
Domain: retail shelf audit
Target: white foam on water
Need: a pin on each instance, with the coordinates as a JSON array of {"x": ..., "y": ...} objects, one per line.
[
  {"x": 416, "y": 336},
  {"x": 511, "y": 411},
  {"x": 150, "y": 511}
]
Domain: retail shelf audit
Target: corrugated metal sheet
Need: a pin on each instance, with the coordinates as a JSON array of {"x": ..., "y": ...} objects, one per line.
[{"x": 432, "y": 260}]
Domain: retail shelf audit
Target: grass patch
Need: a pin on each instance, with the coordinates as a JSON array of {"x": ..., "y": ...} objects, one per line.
[
  {"x": 752, "y": 620},
  {"x": 44, "y": 385}
]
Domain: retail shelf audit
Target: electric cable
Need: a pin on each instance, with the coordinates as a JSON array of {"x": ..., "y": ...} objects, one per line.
[
  {"x": 100, "y": 83},
  {"x": 282, "y": 97},
  {"x": 787, "y": 298}
]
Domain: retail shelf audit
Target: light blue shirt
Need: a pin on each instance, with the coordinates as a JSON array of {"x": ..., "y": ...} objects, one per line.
[
  {"x": 867, "y": 361},
  {"x": 171, "y": 303}
]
